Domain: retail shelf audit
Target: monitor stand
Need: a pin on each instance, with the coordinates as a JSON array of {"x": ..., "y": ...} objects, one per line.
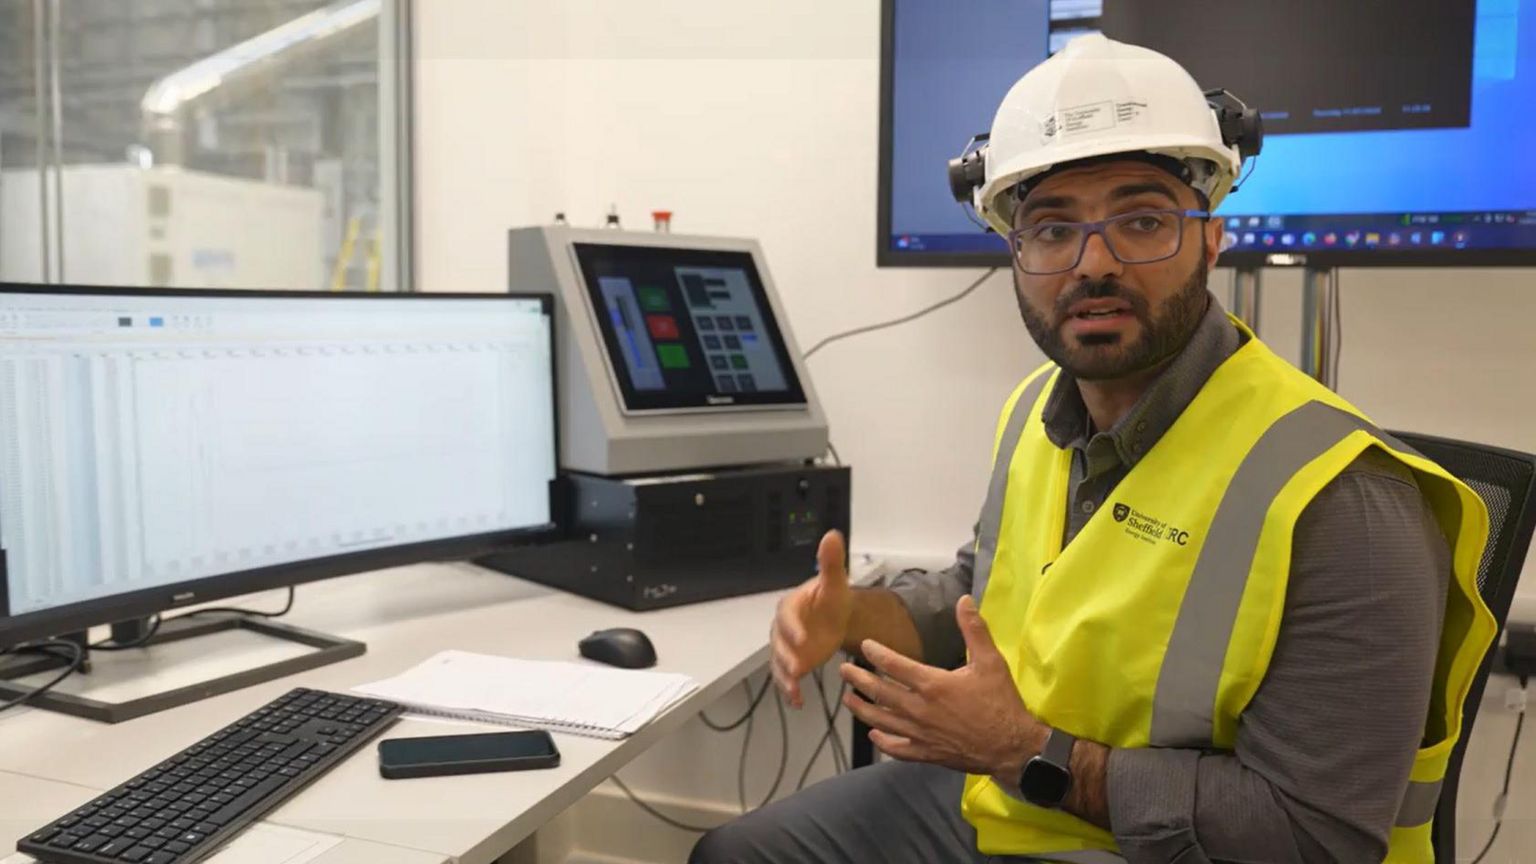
[
  {"x": 330, "y": 649},
  {"x": 1319, "y": 325}
]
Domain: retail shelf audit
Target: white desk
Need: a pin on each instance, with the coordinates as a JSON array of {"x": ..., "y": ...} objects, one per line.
[
  {"x": 28, "y": 802},
  {"x": 404, "y": 615}
]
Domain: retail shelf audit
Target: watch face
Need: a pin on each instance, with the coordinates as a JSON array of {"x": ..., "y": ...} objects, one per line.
[{"x": 1044, "y": 784}]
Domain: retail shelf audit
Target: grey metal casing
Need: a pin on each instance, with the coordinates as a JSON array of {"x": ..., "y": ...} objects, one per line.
[{"x": 597, "y": 433}]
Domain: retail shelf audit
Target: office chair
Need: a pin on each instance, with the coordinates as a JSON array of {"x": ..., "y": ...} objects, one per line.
[{"x": 1506, "y": 481}]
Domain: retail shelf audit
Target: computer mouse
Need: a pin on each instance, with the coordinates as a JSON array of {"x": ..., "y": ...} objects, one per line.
[{"x": 619, "y": 646}]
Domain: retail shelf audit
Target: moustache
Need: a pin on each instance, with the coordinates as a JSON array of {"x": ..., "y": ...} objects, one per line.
[{"x": 1100, "y": 289}]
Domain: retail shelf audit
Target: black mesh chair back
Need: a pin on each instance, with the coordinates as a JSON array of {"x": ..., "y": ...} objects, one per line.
[{"x": 1506, "y": 481}]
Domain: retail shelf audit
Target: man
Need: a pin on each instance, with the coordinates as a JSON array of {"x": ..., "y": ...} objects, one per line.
[{"x": 1212, "y": 614}]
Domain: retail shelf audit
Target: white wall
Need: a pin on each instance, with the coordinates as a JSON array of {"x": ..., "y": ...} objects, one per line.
[
  {"x": 754, "y": 119},
  {"x": 1443, "y": 352},
  {"x": 760, "y": 119}
]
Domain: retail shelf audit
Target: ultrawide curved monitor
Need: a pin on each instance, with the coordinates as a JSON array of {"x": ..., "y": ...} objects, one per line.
[{"x": 161, "y": 448}]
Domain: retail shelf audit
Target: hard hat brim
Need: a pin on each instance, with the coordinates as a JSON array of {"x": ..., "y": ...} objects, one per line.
[{"x": 995, "y": 200}]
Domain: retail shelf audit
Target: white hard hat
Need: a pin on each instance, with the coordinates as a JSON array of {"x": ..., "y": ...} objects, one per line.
[{"x": 1099, "y": 97}]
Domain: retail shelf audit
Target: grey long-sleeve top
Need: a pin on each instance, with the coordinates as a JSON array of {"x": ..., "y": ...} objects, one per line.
[{"x": 1324, "y": 749}]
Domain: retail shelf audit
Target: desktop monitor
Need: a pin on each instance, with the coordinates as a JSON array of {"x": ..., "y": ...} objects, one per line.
[
  {"x": 161, "y": 448},
  {"x": 676, "y": 353},
  {"x": 1394, "y": 129}
]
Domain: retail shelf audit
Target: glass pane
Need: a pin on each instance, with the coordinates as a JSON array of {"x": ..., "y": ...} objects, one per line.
[
  {"x": 221, "y": 143},
  {"x": 20, "y": 208}
]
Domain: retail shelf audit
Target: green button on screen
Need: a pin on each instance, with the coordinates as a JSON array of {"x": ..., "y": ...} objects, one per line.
[
  {"x": 654, "y": 299},
  {"x": 672, "y": 356}
]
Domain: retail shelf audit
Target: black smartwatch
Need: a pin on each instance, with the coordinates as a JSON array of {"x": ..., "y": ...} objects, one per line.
[{"x": 1048, "y": 777}]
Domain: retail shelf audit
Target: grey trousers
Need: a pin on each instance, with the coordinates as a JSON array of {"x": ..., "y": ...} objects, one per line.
[{"x": 892, "y": 812}]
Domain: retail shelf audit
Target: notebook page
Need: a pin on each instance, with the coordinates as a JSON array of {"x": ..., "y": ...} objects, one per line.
[{"x": 536, "y": 691}]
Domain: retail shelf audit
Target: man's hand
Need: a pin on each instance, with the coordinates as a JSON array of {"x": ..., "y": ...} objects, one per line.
[
  {"x": 812, "y": 620},
  {"x": 970, "y": 719}
]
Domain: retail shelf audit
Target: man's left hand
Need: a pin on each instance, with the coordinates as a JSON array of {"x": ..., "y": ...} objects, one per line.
[{"x": 970, "y": 719}]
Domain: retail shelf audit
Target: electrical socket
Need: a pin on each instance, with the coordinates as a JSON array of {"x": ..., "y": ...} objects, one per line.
[
  {"x": 1514, "y": 699},
  {"x": 1517, "y": 656}
]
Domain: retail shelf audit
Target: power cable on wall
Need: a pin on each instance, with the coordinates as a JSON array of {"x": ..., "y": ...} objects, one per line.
[{"x": 894, "y": 322}]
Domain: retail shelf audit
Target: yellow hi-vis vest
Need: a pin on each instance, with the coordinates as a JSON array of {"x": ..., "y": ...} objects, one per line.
[{"x": 1154, "y": 627}]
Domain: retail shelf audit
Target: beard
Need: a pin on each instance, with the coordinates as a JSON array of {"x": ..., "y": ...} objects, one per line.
[{"x": 1106, "y": 356}]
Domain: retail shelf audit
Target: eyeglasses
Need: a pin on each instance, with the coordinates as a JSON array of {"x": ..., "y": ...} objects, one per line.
[{"x": 1140, "y": 237}]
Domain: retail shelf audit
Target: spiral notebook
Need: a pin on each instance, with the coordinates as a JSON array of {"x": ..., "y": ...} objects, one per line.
[{"x": 580, "y": 698}]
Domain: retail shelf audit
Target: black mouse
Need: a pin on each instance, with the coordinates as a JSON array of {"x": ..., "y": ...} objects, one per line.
[{"x": 619, "y": 646}]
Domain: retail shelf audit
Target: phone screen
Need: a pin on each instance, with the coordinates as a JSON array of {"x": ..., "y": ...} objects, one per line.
[{"x": 467, "y": 748}]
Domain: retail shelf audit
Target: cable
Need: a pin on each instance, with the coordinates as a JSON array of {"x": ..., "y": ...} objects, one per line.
[
  {"x": 970, "y": 213},
  {"x": 830, "y": 734},
  {"x": 76, "y": 660},
  {"x": 1509, "y": 769},
  {"x": 154, "y": 627},
  {"x": 830, "y": 712},
  {"x": 752, "y": 707},
  {"x": 847, "y": 334},
  {"x": 870, "y": 328},
  {"x": 839, "y": 750},
  {"x": 109, "y": 645},
  {"x": 778, "y": 779},
  {"x": 697, "y": 829},
  {"x": 741, "y": 767},
  {"x": 1252, "y": 164},
  {"x": 78, "y": 654},
  {"x": 747, "y": 718},
  {"x": 741, "y": 787},
  {"x": 235, "y": 610}
]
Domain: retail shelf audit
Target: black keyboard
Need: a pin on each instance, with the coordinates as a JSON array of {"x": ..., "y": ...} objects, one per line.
[{"x": 191, "y": 804}]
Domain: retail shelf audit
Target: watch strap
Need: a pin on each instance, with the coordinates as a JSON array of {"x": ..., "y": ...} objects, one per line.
[{"x": 1058, "y": 748}]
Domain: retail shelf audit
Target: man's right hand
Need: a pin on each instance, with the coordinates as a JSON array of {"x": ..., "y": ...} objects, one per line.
[{"x": 812, "y": 621}]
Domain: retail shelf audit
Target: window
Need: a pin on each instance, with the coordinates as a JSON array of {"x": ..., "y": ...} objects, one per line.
[{"x": 204, "y": 143}]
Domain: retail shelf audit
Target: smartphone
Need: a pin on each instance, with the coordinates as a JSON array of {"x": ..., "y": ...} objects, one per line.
[{"x": 467, "y": 754}]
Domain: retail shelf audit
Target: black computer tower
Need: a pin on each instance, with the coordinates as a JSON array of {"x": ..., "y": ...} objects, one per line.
[{"x": 667, "y": 540}]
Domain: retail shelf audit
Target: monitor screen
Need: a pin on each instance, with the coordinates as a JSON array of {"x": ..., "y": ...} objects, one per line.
[
  {"x": 1390, "y": 132},
  {"x": 156, "y": 447},
  {"x": 687, "y": 328}
]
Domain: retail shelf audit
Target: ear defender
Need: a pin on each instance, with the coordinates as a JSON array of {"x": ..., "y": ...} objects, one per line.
[
  {"x": 969, "y": 170},
  {"x": 1241, "y": 126}
]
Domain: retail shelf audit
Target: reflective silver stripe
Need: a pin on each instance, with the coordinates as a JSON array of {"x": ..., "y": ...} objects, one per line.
[
  {"x": 1418, "y": 804},
  {"x": 1081, "y": 856},
  {"x": 1184, "y": 705},
  {"x": 997, "y": 488},
  {"x": 1397, "y": 444}
]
